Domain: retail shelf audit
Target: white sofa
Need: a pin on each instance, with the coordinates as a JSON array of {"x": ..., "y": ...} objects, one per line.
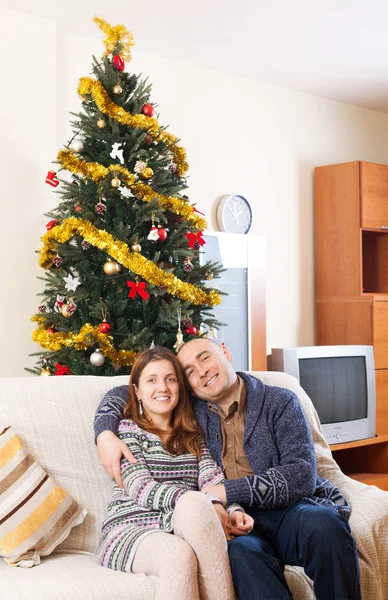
[{"x": 53, "y": 416}]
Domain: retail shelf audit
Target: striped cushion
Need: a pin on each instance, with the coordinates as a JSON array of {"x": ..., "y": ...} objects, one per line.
[{"x": 35, "y": 514}]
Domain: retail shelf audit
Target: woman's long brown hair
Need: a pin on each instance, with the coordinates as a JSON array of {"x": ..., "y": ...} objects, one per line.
[{"x": 185, "y": 434}]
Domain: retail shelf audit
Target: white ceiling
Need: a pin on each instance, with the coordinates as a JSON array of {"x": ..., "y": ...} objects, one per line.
[{"x": 337, "y": 49}]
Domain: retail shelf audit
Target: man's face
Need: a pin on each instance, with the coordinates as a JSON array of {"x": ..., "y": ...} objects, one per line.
[{"x": 207, "y": 368}]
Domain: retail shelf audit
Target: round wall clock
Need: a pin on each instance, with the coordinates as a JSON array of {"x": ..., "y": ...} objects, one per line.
[{"x": 234, "y": 214}]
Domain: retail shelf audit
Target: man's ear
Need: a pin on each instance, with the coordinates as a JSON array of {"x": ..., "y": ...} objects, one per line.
[{"x": 226, "y": 352}]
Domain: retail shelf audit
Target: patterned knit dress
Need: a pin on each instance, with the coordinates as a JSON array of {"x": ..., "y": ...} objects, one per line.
[{"x": 152, "y": 488}]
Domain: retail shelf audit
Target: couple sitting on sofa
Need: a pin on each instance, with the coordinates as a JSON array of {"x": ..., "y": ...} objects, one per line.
[{"x": 236, "y": 483}]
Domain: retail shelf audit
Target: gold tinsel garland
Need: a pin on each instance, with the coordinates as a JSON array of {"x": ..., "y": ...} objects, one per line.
[
  {"x": 87, "y": 336},
  {"x": 114, "y": 35},
  {"x": 118, "y": 250},
  {"x": 96, "y": 172},
  {"x": 88, "y": 86}
]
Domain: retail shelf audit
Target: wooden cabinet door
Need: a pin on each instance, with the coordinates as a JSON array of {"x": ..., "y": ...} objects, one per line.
[
  {"x": 374, "y": 195},
  {"x": 380, "y": 334}
]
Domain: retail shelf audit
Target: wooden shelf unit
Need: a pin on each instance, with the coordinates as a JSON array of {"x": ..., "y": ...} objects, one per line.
[
  {"x": 351, "y": 226},
  {"x": 364, "y": 460}
]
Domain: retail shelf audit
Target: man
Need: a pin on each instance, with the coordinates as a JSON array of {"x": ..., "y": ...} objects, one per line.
[{"x": 259, "y": 435}]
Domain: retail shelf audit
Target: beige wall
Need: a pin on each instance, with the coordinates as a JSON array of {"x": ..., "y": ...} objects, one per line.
[{"x": 241, "y": 136}]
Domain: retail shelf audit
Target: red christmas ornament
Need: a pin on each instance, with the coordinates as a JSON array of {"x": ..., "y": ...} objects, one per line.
[
  {"x": 51, "y": 180},
  {"x": 78, "y": 208},
  {"x": 62, "y": 369},
  {"x": 118, "y": 63},
  {"x": 148, "y": 110},
  {"x": 195, "y": 240},
  {"x": 162, "y": 233},
  {"x": 105, "y": 327},
  {"x": 191, "y": 330},
  {"x": 51, "y": 224},
  {"x": 50, "y": 330}
]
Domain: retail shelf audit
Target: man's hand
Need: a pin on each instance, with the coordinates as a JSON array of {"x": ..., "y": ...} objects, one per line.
[
  {"x": 241, "y": 523},
  {"x": 225, "y": 520},
  {"x": 216, "y": 490},
  {"x": 110, "y": 450}
]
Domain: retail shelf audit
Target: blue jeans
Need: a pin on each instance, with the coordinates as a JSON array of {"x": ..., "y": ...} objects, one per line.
[{"x": 313, "y": 537}]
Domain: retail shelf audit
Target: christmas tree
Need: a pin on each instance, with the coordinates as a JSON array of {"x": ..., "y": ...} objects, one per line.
[{"x": 122, "y": 249}]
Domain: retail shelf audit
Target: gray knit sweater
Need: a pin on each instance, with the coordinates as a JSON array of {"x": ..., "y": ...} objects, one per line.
[{"x": 277, "y": 443}]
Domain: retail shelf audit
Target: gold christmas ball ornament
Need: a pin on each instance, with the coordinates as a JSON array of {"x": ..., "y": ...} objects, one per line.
[
  {"x": 45, "y": 373},
  {"x": 68, "y": 310},
  {"x": 136, "y": 247},
  {"x": 117, "y": 89},
  {"x": 111, "y": 267},
  {"x": 115, "y": 182},
  {"x": 209, "y": 275},
  {"x": 101, "y": 123},
  {"x": 147, "y": 173}
]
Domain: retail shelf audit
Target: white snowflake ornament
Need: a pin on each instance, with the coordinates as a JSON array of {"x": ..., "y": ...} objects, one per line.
[
  {"x": 126, "y": 192},
  {"x": 71, "y": 283}
]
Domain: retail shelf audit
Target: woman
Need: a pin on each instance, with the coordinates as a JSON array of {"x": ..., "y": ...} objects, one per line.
[{"x": 160, "y": 495}]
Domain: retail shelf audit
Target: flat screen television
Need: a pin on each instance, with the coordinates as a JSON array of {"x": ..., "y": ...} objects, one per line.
[{"x": 340, "y": 381}]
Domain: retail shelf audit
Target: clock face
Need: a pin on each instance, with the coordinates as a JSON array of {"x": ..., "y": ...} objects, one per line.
[{"x": 234, "y": 214}]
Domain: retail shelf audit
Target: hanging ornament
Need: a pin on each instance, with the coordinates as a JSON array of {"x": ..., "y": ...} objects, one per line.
[
  {"x": 117, "y": 152},
  {"x": 68, "y": 309},
  {"x": 105, "y": 327},
  {"x": 45, "y": 372},
  {"x": 50, "y": 330},
  {"x": 51, "y": 224},
  {"x": 71, "y": 283},
  {"x": 59, "y": 303},
  {"x": 209, "y": 275},
  {"x": 148, "y": 139},
  {"x": 179, "y": 336},
  {"x": 162, "y": 234},
  {"x": 77, "y": 145},
  {"x": 57, "y": 261},
  {"x": 118, "y": 62},
  {"x": 78, "y": 208},
  {"x": 148, "y": 110},
  {"x": 115, "y": 182},
  {"x": 187, "y": 323},
  {"x": 172, "y": 167},
  {"x": 97, "y": 358},
  {"x": 62, "y": 369},
  {"x": 136, "y": 247},
  {"x": 125, "y": 192},
  {"x": 212, "y": 333},
  {"x": 111, "y": 267},
  {"x": 191, "y": 330},
  {"x": 137, "y": 288},
  {"x": 85, "y": 245},
  {"x": 188, "y": 265},
  {"x": 51, "y": 179},
  {"x": 42, "y": 308},
  {"x": 100, "y": 208},
  {"x": 140, "y": 165},
  {"x": 117, "y": 89},
  {"x": 195, "y": 240},
  {"x": 153, "y": 235},
  {"x": 147, "y": 173},
  {"x": 101, "y": 123}
]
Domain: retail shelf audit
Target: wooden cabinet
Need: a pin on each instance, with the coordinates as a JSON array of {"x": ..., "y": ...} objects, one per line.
[
  {"x": 364, "y": 460},
  {"x": 351, "y": 225}
]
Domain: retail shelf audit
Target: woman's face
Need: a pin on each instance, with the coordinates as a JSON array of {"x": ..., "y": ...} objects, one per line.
[{"x": 158, "y": 388}]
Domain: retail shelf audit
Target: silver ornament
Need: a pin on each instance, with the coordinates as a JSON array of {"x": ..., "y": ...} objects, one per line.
[
  {"x": 97, "y": 358},
  {"x": 77, "y": 145}
]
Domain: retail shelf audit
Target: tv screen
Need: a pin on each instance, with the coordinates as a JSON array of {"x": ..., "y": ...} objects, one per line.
[{"x": 337, "y": 387}]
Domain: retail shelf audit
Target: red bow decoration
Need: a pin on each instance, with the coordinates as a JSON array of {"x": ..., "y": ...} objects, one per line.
[
  {"x": 61, "y": 369},
  {"x": 137, "y": 288},
  {"x": 195, "y": 239},
  {"x": 51, "y": 224}
]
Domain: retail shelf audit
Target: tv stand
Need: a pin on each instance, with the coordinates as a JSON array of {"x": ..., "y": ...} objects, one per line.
[{"x": 364, "y": 460}]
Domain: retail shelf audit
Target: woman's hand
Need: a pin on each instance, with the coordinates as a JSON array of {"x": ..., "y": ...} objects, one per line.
[
  {"x": 110, "y": 450},
  {"x": 225, "y": 520},
  {"x": 241, "y": 523}
]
